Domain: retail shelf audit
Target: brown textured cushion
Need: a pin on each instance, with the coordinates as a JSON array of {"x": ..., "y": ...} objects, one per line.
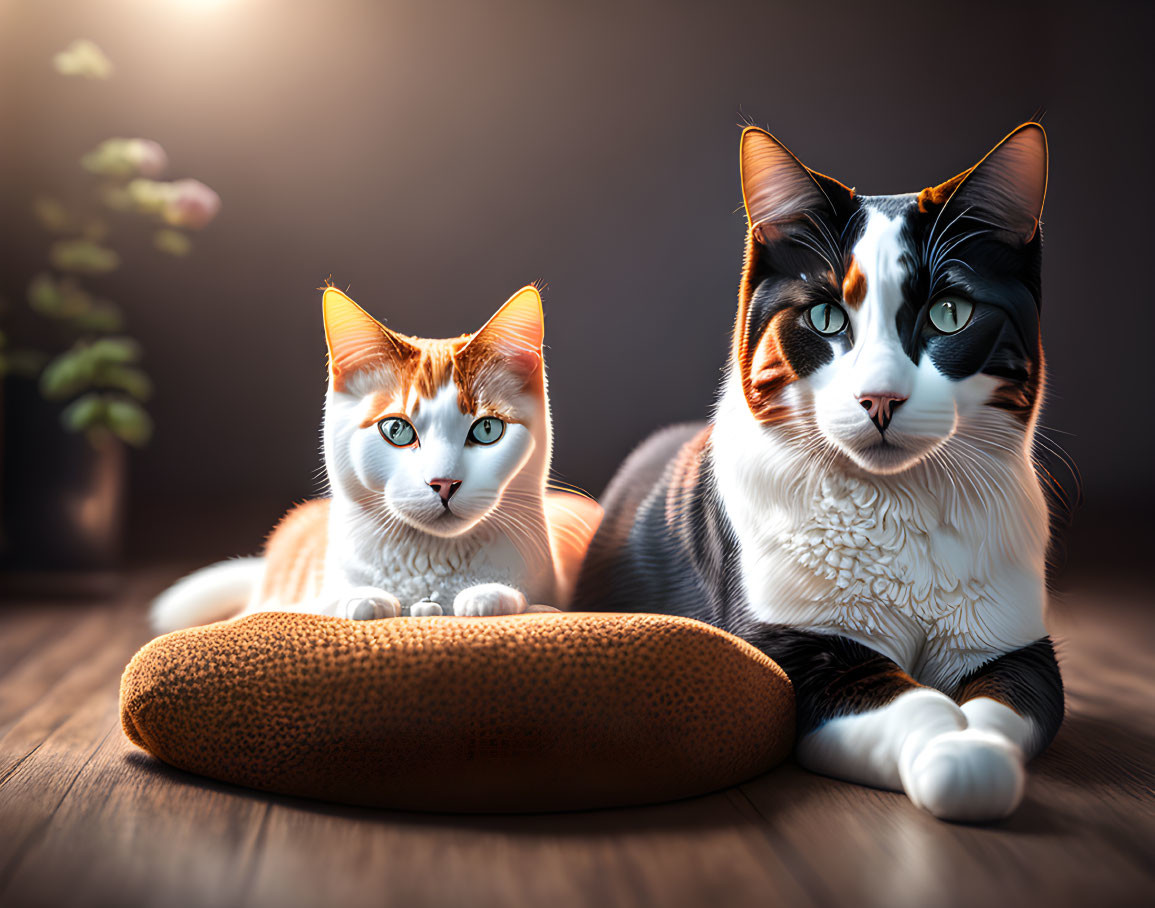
[{"x": 530, "y": 712}]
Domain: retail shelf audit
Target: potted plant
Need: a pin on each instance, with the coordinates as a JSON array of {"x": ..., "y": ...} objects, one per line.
[{"x": 74, "y": 390}]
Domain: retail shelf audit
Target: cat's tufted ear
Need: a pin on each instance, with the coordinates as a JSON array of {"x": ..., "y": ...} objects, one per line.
[
  {"x": 776, "y": 186},
  {"x": 356, "y": 340},
  {"x": 1006, "y": 188},
  {"x": 515, "y": 333}
]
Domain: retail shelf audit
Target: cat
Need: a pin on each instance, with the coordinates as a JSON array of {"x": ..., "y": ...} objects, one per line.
[
  {"x": 437, "y": 454},
  {"x": 863, "y": 505}
]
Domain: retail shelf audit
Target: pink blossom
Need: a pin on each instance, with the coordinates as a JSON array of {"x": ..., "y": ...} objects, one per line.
[
  {"x": 148, "y": 156},
  {"x": 191, "y": 204}
]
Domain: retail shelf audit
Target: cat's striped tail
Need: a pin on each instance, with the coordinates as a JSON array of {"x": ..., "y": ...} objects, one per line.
[{"x": 213, "y": 593}]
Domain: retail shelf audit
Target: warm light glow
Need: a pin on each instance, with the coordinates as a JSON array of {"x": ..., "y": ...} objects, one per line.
[{"x": 200, "y": 3}]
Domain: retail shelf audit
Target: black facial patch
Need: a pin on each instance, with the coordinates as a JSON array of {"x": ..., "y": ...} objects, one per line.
[
  {"x": 803, "y": 266},
  {"x": 964, "y": 258},
  {"x": 805, "y": 349},
  {"x": 958, "y": 355}
]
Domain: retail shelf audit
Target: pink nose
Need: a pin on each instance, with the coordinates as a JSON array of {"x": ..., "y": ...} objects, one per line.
[
  {"x": 445, "y": 488},
  {"x": 880, "y": 407}
]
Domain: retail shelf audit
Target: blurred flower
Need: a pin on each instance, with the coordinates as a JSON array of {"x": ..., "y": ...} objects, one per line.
[
  {"x": 181, "y": 203},
  {"x": 190, "y": 203},
  {"x": 126, "y": 158},
  {"x": 83, "y": 256},
  {"x": 173, "y": 242},
  {"x": 149, "y": 157},
  {"x": 83, "y": 58}
]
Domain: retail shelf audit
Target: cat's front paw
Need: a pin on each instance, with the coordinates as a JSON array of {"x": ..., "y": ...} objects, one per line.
[
  {"x": 489, "y": 599},
  {"x": 367, "y": 603},
  {"x": 426, "y": 608},
  {"x": 970, "y": 775}
]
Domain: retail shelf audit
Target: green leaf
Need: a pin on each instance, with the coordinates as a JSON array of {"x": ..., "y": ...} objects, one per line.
[
  {"x": 148, "y": 196},
  {"x": 111, "y": 158},
  {"x": 129, "y": 421},
  {"x": 63, "y": 299},
  {"x": 172, "y": 242},
  {"x": 101, "y": 318},
  {"x": 131, "y": 381},
  {"x": 25, "y": 363},
  {"x": 43, "y": 296},
  {"x": 124, "y": 158},
  {"x": 114, "y": 350},
  {"x": 82, "y": 58},
  {"x": 69, "y": 373},
  {"x": 84, "y": 413},
  {"x": 83, "y": 256}
]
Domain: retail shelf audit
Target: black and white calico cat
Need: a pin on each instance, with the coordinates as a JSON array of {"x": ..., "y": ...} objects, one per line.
[{"x": 863, "y": 506}]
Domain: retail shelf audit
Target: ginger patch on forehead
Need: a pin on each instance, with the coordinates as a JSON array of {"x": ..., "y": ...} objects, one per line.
[
  {"x": 854, "y": 285},
  {"x": 379, "y": 405}
]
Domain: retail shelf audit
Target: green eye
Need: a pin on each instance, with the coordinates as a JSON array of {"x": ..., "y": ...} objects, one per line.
[
  {"x": 397, "y": 431},
  {"x": 826, "y": 318},
  {"x": 950, "y": 315},
  {"x": 486, "y": 430}
]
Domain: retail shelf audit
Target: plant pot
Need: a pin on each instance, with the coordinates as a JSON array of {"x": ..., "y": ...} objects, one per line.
[{"x": 62, "y": 495}]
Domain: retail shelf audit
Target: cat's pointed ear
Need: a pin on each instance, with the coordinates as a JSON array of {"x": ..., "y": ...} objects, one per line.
[
  {"x": 776, "y": 186},
  {"x": 515, "y": 332},
  {"x": 356, "y": 340},
  {"x": 1006, "y": 188}
]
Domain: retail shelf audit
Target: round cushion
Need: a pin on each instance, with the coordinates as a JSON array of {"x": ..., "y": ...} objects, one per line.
[{"x": 522, "y": 713}]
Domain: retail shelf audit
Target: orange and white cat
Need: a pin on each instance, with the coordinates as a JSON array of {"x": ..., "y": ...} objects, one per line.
[{"x": 437, "y": 454}]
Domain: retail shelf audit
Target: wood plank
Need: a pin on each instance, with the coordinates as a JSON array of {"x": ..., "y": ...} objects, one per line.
[
  {"x": 86, "y": 819},
  {"x": 56, "y": 664},
  {"x": 77, "y": 633},
  {"x": 1086, "y": 832},
  {"x": 59, "y": 709},
  {"x": 697, "y": 852},
  {"x": 132, "y": 832},
  {"x": 25, "y": 628}
]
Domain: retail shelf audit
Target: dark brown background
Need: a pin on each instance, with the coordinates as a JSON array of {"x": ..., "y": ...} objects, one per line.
[{"x": 434, "y": 157}]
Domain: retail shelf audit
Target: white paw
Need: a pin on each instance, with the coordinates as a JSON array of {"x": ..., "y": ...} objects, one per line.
[
  {"x": 970, "y": 775},
  {"x": 424, "y": 609},
  {"x": 489, "y": 599},
  {"x": 367, "y": 603}
]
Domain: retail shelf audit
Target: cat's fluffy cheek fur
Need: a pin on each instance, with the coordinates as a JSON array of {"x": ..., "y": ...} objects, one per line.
[{"x": 402, "y": 476}]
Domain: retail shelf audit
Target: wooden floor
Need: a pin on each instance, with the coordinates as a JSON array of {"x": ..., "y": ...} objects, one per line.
[{"x": 85, "y": 819}]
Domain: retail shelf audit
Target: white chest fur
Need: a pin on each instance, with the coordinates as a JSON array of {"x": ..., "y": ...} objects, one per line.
[
  {"x": 938, "y": 572},
  {"x": 415, "y": 566}
]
